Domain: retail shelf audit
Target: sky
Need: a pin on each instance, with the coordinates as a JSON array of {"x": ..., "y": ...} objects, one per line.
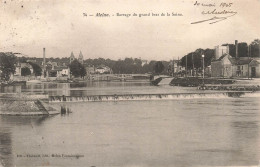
[{"x": 60, "y": 26}]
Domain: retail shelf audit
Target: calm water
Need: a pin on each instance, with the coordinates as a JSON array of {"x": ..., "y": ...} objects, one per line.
[{"x": 206, "y": 132}]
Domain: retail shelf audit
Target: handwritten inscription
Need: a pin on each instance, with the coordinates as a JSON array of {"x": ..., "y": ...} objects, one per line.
[{"x": 221, "y": 11}]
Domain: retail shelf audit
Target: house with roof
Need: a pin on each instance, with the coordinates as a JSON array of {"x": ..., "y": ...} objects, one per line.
[
  {"x": 254, "y": 70},
  {"x": 102, "y": 69},
  {"x": 240, "y": 67},
  {"x": 60, "y": 72},
  {"x": 243, "y": 67},
  {"x": 224, "y": 65}
]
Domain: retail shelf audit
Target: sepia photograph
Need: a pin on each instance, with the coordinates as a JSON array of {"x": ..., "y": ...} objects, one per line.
[{"x": 129, "y": 83}]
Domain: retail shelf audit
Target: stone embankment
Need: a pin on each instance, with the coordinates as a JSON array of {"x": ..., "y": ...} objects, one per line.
[{"x": 25, "y": 104}]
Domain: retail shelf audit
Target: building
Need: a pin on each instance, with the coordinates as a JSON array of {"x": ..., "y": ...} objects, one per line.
[
  {"x": 72, "y": 57},
  {"x": 90, "y": 70},
  {"x": 224, "y": 65},
  {"x": 80, "y": 59},
  {"x": 220, "y": 51},
  {"x": 227, "y": 66},
  {"x": 243, "y": 67},
  {"x": 254, "y": 70},
  {"x": 175, "y": 67},
  {"x": 59, "y": 72},
  {"x": 52, "y": 64},
  {"x": 102, "y": 69}
]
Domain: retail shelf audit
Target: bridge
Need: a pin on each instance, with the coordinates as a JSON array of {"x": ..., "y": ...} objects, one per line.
[{"x": 118, "y": 77}]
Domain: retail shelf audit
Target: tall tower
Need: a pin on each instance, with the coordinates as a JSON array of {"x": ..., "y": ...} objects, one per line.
[
  {"x": 72, "y": 57},
  {"x": 44, "y": 63},
  {"x": 220, "y": 51},
  {"x": 80, "y": 59}
]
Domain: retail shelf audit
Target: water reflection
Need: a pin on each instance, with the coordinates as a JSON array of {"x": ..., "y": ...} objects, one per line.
[
  {"x": 244, "y": 131},
  {"x": 7, "y": 124},
  {"x": 70, "y": 89},
  {"x": 23, "y": 120},
  {"x": 10, "y": 89},
  {"x": 6, "y": 157}
]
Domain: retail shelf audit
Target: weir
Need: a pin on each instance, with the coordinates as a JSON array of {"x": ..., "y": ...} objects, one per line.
[{"x": 131, "y": 97}]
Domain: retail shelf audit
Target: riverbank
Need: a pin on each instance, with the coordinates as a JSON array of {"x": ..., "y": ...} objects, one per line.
[{"x": 195, "y": 81}]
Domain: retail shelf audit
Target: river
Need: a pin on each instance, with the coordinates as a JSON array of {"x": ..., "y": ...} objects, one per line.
[{"x": 180, "y": 132}]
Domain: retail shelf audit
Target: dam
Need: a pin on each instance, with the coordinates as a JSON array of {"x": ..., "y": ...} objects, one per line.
[{"x": 165, "y": 96}]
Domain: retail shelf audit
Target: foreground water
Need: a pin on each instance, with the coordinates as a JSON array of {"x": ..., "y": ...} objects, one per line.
[{"x": 180, "y": 132}]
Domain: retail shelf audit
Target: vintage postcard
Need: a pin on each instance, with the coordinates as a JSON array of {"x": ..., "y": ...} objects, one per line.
[{"x": 129, "y": 83}]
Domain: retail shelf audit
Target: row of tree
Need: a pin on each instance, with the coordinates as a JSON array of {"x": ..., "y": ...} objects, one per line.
[{"x": 127, "y": 66}]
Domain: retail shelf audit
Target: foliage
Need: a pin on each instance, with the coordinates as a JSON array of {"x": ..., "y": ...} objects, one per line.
[
  {"x": 254, "y": 48},
  {"x": 77, "y": 69},
  {"x": 22, "y": 59},
  {"x": 36, "y": 69},
  {"x": 194, "y": 59},
  {"x": 127, "y": 66},
  {"x": 7, "y": 67},
  {"x": 25, "y": 71},
  {"x": 242, "y": 49},
  {"x": 158, "y": 67}
]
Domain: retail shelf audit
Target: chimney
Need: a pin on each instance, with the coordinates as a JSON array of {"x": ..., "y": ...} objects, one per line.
[
  {"x": 44, "y": 66},
  {"x": 236, "y": 44}
]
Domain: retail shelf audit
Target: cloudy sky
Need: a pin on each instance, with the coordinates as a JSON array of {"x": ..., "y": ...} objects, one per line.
[{"x": 60, "y": 26}]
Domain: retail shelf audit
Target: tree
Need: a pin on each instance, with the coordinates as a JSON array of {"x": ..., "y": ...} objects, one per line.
[
  {"x": 25, "y": 71},
  {"x": 36, "y": 69},
  {"x": 77, "y": 69},
  {"x": 7, "y": 61},
  {"x": 254, "y": 48},
  {"x": 242, "y": 49},
  {"x": 195, "y": 58},
  {"x": 158, "y": 67},
  {"x": 127, "y": 66},
  {"x": 82, "y": 71},
  {"x": 22, "y": 59}
]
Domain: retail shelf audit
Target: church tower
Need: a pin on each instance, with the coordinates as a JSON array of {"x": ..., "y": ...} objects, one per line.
[
  {"x": 80, "y": 59},
  {"x": 72, "y": 57}
]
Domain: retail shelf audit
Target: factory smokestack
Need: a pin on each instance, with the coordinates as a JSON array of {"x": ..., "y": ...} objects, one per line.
[
  {"x": 44, "y": 63},
  {"x": 236, "y": 44}
]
